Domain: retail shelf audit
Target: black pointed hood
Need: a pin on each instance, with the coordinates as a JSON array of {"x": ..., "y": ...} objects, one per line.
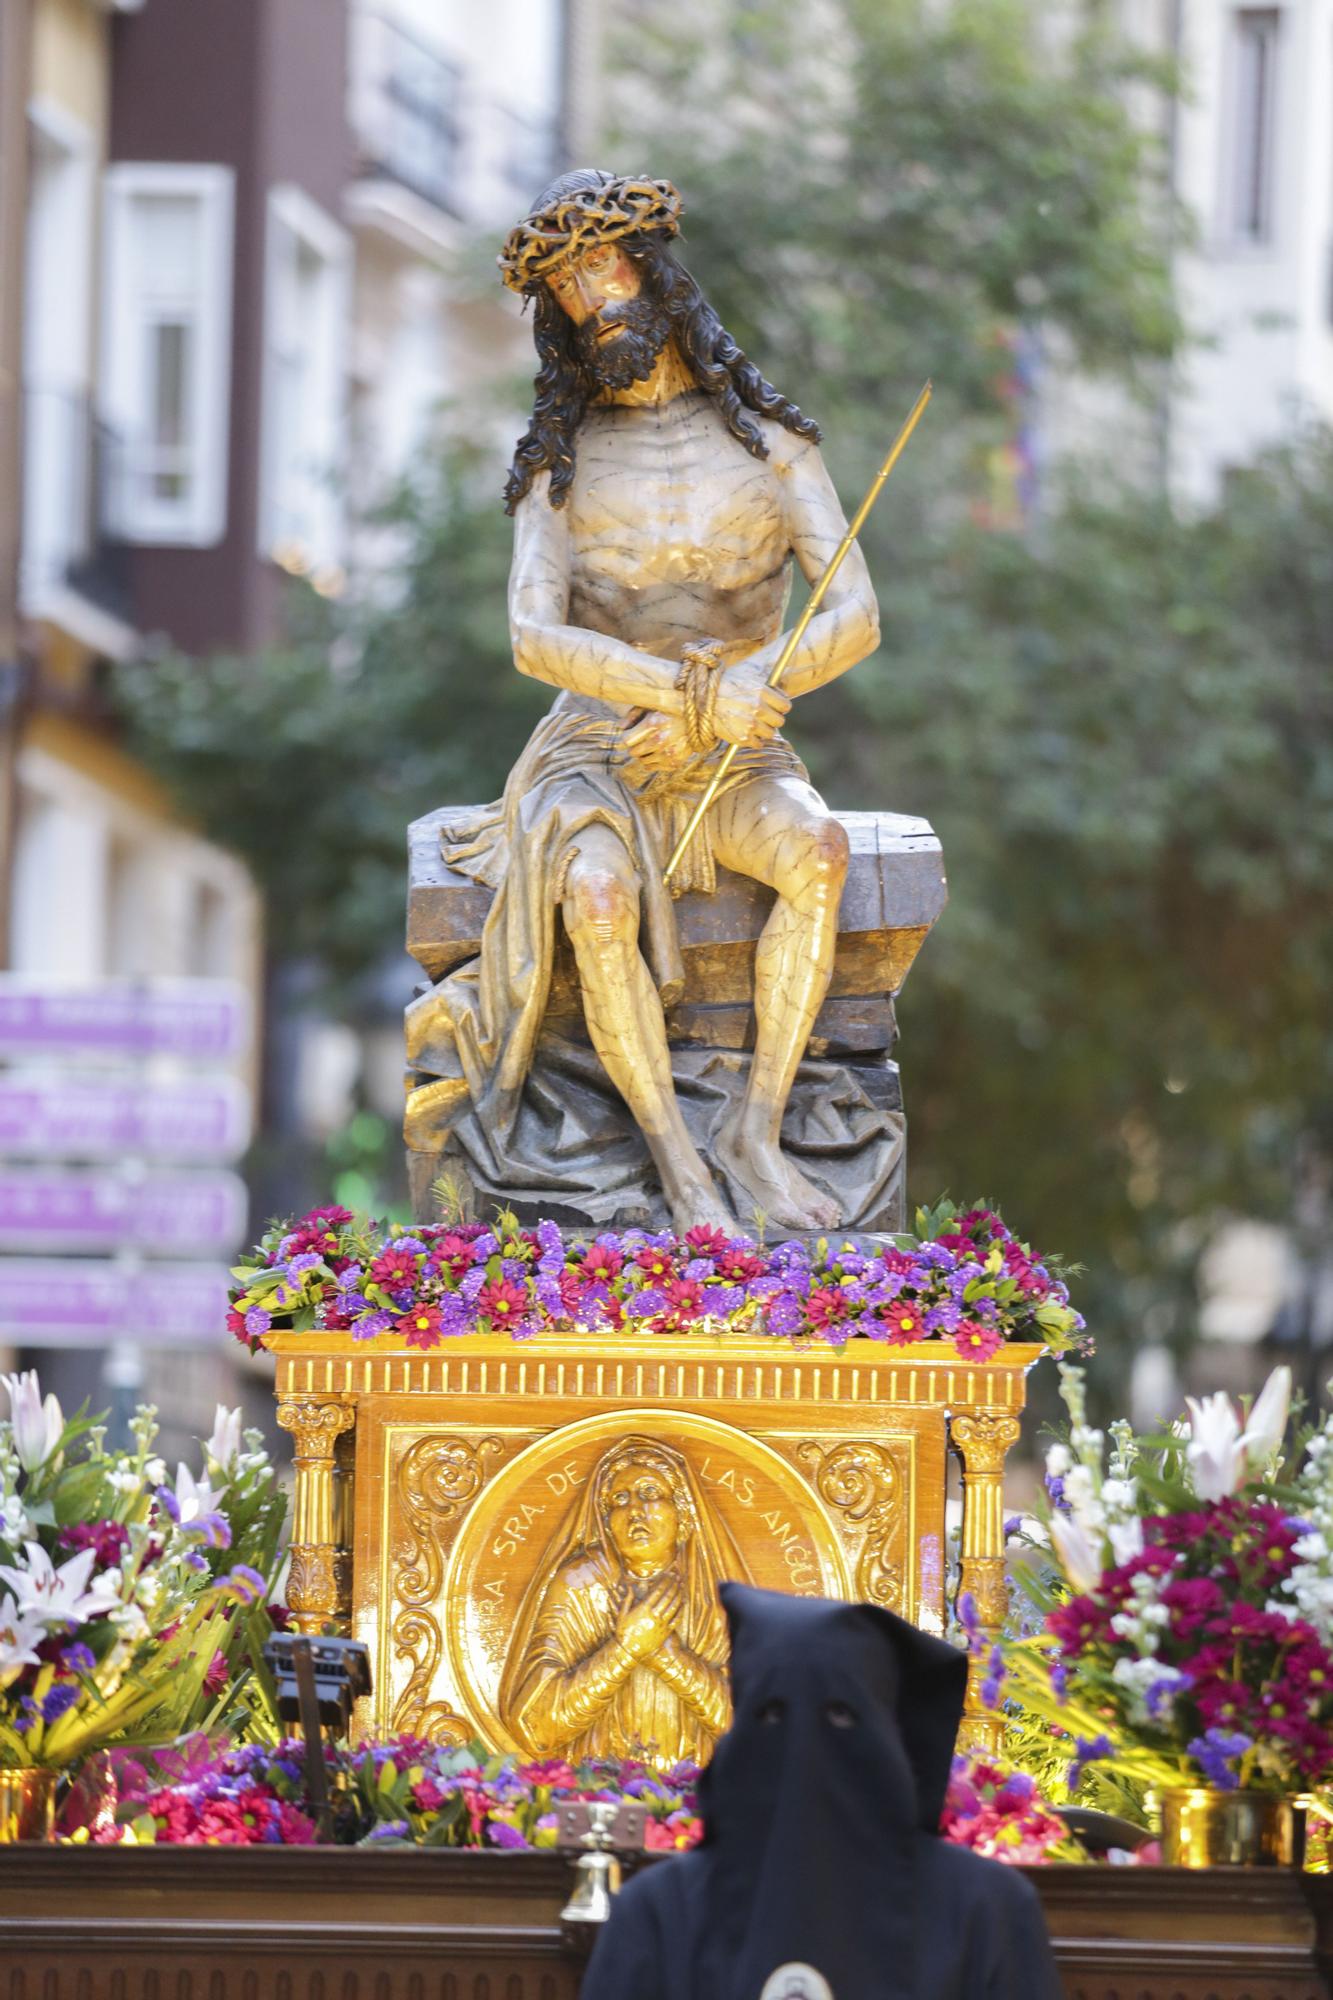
[{"x": 835, "y": 1765}]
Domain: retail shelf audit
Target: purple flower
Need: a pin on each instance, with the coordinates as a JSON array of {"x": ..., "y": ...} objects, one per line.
[
  {"x": 722, "y": 1300},
  {"x": 77, "y": 1659},
  {"x": 167, "y": 1501},
  {"x": 968, "y": 1616},
  {"x": 994, "y": 1681},
  {"x": 309, "y": 1260},
  {"x": 244, "y": 1583},
  {"x": 1013, "y": 1525},
  {"x": 257, "y": 1321},
  {"x": 946, "y": 1318},
  {"x": 58, "y": 1701},
  {"x": 214, "y": 1529},
  {"x": 1059, "y": 1679},
  {"x": 1215, "y": 1750},
  {"x": 502, "y": 1835},
  {"x": 515, "y": 1269},
  {"x": 372, "y": 1323},
  {"x": 389, "y": 1829},
  {"x": 785, "y": 1315},
  {"x": 485, "y": 1246},
  {"x": 1159, "y": 1692},
  {"x": 1087, "y": 1750},
  {"x": 472, "y": 1284},
  {"x": 1055, "y": 1489},
  {"x": 647, "y": 1303},
  {"x": 549, "y": 1296}
]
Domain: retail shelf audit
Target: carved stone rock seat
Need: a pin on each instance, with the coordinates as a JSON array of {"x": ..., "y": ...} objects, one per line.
[{"x": 894, "y": 892}]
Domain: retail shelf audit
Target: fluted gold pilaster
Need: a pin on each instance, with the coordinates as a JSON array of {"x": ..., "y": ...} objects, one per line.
[
  {"x": 983, "y": 1439},
  {"x": 319, "y": 1515}
]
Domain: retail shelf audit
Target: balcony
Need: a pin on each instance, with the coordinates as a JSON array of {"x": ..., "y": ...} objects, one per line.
[
  {"x": 406, "y": 100},
  {"x": 75, "y": 572}
]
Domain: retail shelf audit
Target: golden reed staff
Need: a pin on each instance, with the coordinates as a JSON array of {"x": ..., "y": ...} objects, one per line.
[{"x": 816, "y": 598}]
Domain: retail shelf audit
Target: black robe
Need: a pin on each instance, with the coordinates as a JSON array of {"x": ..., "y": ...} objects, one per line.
[{"x": 821, "y": 1875}]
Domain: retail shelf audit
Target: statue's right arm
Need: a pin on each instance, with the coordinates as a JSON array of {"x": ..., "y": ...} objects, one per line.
[
  {"x": 571, "y": 1674},
  {"x": 570, "y": 656}
]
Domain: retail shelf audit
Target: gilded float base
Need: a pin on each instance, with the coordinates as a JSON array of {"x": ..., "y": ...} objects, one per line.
[
  {"x": 1203, "y": 1828},
  {"x": 27, "y": 1805}
]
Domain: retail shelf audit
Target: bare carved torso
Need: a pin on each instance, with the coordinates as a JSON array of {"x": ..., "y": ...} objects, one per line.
[{"x": 677, "y": 532}]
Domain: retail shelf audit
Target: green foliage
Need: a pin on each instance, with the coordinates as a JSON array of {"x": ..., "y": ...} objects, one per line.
[{"x": 309, "y": 762}]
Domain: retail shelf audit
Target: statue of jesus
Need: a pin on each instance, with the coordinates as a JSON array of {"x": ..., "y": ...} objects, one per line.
[{"x": 660, "y": 494}]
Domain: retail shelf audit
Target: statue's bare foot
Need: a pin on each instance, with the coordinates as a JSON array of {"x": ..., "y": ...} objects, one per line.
[
  {"x": 698, "y": 1201},
  {"x": 780, "y": 1191}
]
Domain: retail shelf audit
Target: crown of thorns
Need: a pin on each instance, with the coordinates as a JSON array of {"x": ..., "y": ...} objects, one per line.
[{"x": 620, "y": 207}]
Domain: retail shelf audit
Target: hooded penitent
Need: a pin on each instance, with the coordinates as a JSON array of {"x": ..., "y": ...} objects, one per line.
[{"x": 821, "y": 1872}]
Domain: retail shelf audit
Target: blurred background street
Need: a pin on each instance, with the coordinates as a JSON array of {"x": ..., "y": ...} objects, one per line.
[{"x": 259, "y": 385}]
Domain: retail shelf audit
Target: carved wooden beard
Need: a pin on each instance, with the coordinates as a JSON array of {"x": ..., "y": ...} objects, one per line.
[{"x": 625, "y": 357}]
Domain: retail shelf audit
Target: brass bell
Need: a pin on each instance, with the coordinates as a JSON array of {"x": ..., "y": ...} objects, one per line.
[{"x": 598, "y": 1872}]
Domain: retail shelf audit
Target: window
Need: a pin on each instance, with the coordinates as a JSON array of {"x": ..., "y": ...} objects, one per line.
[
  {"x": 1254, "y": 63},
  {"x": 306, "y": 306},
  {"x": 57, "y": 357},
  {"x": 167, "y": 355}
]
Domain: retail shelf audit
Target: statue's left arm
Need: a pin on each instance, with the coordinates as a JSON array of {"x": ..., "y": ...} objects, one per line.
[{"x": 846, "y": 627}]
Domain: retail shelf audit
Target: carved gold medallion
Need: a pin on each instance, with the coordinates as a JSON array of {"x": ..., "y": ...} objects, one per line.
[{"x": 581, "y": 1597}]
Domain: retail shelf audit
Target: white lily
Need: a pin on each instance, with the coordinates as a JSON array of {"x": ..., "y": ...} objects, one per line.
[
  {"x": 1080, "y": 1556},
  {"x": 1220, "y": 1451},
  {"x": 58, "y": 1596},
  {"x": 1216, "y": 1450},
  {"x": 37, "y": 1424},
  {"x": 1267, "y": 1422},
  {"x": 225, "y": 1444},
  {"x": 194, "y": 1497},
  {"x": 20, "y": 1633}
]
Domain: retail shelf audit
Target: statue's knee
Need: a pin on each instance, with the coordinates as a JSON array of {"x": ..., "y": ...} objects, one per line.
[
  {"x": 820, "y": 854},
  {"x": 601, "y": 909}
]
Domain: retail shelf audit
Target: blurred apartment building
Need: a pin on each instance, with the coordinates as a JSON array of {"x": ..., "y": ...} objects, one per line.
[
  {"x": 230, "y": 310},
  {"x": 1249, "y": 153},
  {"x": 1253, "y": 160}
]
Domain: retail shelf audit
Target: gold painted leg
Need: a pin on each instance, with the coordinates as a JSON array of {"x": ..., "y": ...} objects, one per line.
[
  {"x": 317, "y": 1594},
  {"x": 982, "y": 1439}
]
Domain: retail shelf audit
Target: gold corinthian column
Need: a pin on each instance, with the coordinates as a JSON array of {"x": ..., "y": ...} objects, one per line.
[
  {"x": 317, "y": 1584},
  {"x": 983, "y": 1439}
]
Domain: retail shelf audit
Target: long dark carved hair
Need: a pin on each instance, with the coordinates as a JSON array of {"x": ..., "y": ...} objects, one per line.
[{"x": 565, "y": 389}]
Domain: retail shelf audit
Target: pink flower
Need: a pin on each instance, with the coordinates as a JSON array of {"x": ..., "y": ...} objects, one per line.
[
  {"x": 420, "y": 1326},
  {"x": 602, "y": 1263},
  {"x": 394, "y": 1269},
  {"x": 502, "y": 1302},
  {"x": 903, "y": 1323},
  {"x": 705, "y": 1240},
  {"x": 976, "y": 1341},
  {"x": 826, "y": 1306}
]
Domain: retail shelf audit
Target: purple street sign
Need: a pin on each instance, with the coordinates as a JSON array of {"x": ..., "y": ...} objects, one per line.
[
  {"x": 44, "y": 1303},
  {"x": 58, "y": 1208},
  {"x": 199, "y": 1020},
  {"x": 46, "y": 1115}
]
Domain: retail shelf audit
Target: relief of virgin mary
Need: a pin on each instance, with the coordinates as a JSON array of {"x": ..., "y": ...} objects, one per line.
[{"x": 620, "y": 1649}]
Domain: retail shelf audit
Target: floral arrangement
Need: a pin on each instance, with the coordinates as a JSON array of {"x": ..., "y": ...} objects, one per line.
[
  {"x": 132, "y": 1605},
  {"x": 1187, "y": 1630},
  {"x": 400, "y": 1790},
  {"x": 964, "y": 1278},
  {"x": 1002, "y": 1815},
  {"x": 406, "y": 1790}
]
